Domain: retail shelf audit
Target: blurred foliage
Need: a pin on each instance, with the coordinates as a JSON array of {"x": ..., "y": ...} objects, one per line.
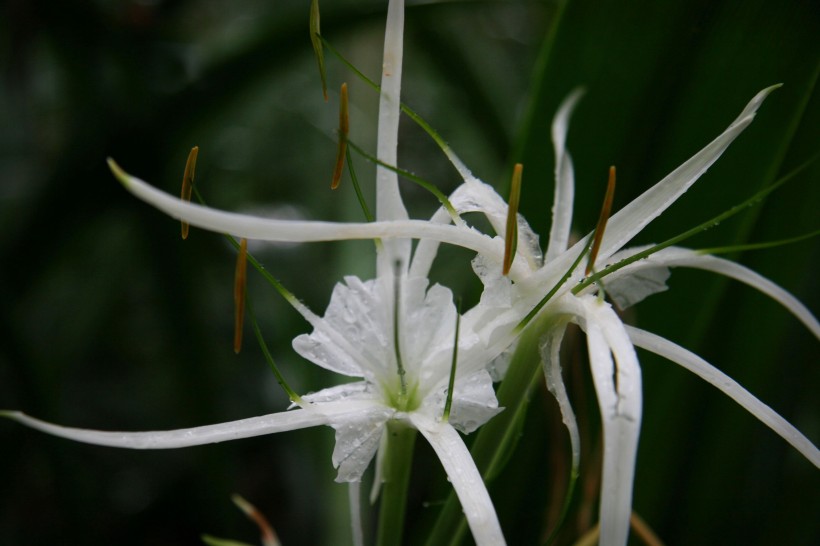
[{"x": 109, "y": 321}]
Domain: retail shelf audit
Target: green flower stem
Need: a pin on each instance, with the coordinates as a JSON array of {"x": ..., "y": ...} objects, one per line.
[
  {"x": 496, "y": 440},
  {"x": 398, "y": 459}
]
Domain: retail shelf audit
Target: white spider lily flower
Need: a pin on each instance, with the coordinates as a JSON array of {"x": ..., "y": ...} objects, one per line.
[
  {"x": 395, "y": 332},
  {"x": 509, "y": 300},
  {"x": 403, "y": 356}
]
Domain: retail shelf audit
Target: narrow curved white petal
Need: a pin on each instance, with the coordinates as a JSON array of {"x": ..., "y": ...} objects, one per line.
[
  {"x": 463, "y": 474},
  {"x": 564, "y": 178},
  {"x": 630, "y": 220},
  {"x": 620, "y": 404},
  {"x": 389, "y": 205},
  {"x": 476, "y": 196},
  {"x": 169, "y": 439},
  {"x": 358, "y": 436},
  {"x": 474, "y": 402},
  {"x": 550, "y": 348},
  {"x": 728, "y": 386},
  {"x": 676, "y": 256},
  {"x": 290, "y": 231}
]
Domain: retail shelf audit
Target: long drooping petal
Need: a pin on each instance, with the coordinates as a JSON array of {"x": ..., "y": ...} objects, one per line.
[
  {"x": 675, "y": 256},
  {"x": 267, "y": 229},
  {"x": 564, "y": 179},
  {"x": 389, "y": 205},
  {"x": 630, "y": 220},
  {"x": 463, "y": 474},
  {"x": 620, "y": 400},
  {"x": 169, "y": 439},
  {"x": 550, "y": 347},
  {"x": 728, "y": 386},
  {"x": 476, "y": 196}
]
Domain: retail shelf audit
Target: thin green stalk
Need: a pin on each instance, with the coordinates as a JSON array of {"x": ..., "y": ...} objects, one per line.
[
  {"x": 757, "y": 197},
  {"x": 758, "y": 246},
  {"x": 496, "y": 440},
  {"x": 429, "y": 186},
  {"x": 295, "y": 398},
  {"x": 398, "y": 459}
]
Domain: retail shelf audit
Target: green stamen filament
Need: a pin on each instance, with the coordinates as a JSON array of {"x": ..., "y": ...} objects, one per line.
[
  {"x": 239, "y": 290},
  {"x": 451, "y": 385},
  {"x": 757, "y": 197},
  {"x": 295, "y": 398},
  {"x": 396, "y": 341}
]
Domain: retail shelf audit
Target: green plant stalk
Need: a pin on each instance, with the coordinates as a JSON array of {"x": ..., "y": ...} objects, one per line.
[{"x": 398, "y": 459}]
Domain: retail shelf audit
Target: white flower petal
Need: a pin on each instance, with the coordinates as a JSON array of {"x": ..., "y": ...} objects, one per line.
[
  {"x": 630, "y": 220},
  {"x": 474, "y": 402},
  {"x": 629, "y": 289},
  {"x": 389, "y": 205},
  {"x": 169, "y": 439},
  {"x": 620, "y": 405},
  {"x": 676, "y": 256},
  {"x": 354, "y": 337},
  {"x": 358, "y": 436},
  {"x": 550, "y": 349},
  {"x": 476, "y": 196},
  {"x": 293, "y": 231},
  {"x": 728, "y": 386},
  {"x": 466, "y": 480},
  {"x": 564, "y": 179}
]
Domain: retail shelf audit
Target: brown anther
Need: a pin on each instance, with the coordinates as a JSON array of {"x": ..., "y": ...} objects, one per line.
[
  {"x": 602, "y": 220},
  {"x": 344, "y": 129},
  {"x": 188, "y": 183},
  {"x": 511, "y": 233},
  {"x": 268, "y": 535},
  {"x": 239, "y": 288}
]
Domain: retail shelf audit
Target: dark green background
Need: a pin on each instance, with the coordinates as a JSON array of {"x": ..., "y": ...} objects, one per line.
[{"x": 110, "y": 321}]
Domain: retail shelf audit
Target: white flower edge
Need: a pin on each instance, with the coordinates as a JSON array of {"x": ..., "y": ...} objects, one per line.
[
  {"x": 684, "y": 257},
  {"x": 620, "y": 405},
  {"x": 186, "y": 437},
  {"x": 564, "y": 178},
  {"x": 728, "y": 386},
  {"x": 463, "y": 474},
  {"x": 631, "y": 219}
]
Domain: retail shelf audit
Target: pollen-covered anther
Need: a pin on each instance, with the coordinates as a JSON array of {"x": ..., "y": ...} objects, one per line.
[
  {"x": 239, "y": 289},
  {"x": 511, "y": 233},
  {"x": 188, "y": 183},
  {"x": 344, "y": 129},
  {"x": 316, "y": 41},
  {"x": 602, "y": 220}
]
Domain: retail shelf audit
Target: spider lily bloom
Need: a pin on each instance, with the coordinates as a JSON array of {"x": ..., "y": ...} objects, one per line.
[
  {"x": 396, "y": 333},
  {"x": 515, "y": 304}
]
